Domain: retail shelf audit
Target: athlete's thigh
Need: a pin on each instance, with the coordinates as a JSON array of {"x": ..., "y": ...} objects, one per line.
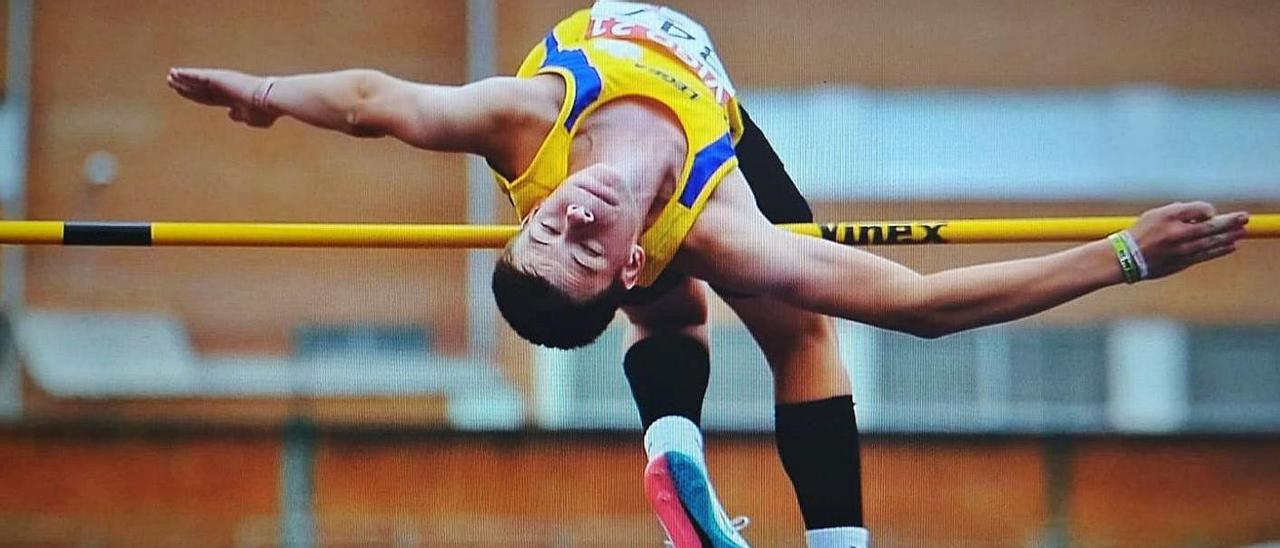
[
  {"x": 785, "y": 333},
  {"x": 801, "y": 348},
  {"x": 681, "y": 309}
]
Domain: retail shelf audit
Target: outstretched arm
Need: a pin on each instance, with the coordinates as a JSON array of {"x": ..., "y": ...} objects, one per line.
[
  {"x": 362, "y": 103},
  {"x": 853, "y": 284}
]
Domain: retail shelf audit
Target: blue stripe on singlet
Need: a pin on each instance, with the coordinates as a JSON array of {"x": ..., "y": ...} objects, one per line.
[
  {"x": 705, "y": 163},
  {"x": 586, "y": 78}
]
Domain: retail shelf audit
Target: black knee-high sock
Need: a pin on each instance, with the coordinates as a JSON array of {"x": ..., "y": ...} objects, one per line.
[
  {"x": 668, "y": 375},
  {"x": 818, "y": 444}
]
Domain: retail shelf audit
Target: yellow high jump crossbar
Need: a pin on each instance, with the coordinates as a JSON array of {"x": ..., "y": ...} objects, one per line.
[{"x": 445, "y": 236}]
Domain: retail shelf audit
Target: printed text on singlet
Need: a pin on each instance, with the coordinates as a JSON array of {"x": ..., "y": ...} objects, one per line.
[{"x": 683, "y": 37}]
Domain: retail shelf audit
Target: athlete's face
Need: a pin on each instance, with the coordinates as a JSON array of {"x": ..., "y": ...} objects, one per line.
[{"x": 582, "y": 237}]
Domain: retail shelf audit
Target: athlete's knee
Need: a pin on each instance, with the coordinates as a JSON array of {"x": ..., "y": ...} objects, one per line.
[
  {"x": 698, "y": 332},
  {"x": 822, "y": 330},
  {"x": 680, "y": 309},
  {"x": 806, "y": 333},
  {"x": 675, "y": 320}
]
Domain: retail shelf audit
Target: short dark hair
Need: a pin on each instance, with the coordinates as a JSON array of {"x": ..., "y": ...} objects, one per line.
[{"x": 543, "y": 314}]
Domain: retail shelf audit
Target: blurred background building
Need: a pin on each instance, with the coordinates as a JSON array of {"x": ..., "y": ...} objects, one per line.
[{"x": 256, "y": 397}]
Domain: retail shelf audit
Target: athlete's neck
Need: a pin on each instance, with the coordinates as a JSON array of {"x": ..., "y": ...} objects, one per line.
[{"x": 642, "y": 140}]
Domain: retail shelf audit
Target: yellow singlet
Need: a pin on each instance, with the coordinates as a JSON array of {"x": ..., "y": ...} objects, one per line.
[{"x": 620, "y": 49}]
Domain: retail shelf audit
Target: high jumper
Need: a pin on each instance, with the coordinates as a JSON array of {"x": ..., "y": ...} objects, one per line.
[{"x": 641, "y": 183}]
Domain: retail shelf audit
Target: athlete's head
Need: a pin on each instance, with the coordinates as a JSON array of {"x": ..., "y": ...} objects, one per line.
[{"x": 561, "y": 279}]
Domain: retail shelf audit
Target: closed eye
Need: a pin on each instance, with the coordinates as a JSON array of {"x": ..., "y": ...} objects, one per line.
[{"x": 584, "y": 264}]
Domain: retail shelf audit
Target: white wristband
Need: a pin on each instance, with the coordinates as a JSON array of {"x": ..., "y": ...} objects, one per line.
[
  {"x": 1136, "y": 252},
  {"x": 260, "y": 95}
]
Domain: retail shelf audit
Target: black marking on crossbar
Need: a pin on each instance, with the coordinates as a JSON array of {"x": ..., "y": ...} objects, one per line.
[
  {"x": 883, "y": 233},
  {"x": 106, "y": 234}
]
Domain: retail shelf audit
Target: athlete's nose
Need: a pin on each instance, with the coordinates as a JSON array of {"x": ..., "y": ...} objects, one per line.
[{"x": 578, "y": 215}]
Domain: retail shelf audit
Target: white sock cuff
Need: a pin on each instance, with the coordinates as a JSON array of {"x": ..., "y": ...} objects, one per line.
[
  {"x": 673, "y": 433},
  {"x": 838, "y": 537}
]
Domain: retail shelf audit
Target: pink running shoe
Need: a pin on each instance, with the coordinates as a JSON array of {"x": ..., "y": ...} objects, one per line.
[{"x": 681, "y": 495}]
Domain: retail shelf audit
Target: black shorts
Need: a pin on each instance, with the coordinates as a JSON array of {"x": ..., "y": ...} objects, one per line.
[{"x": 776, "y": 196}]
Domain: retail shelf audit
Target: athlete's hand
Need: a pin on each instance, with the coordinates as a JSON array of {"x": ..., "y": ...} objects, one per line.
[
  {"x": 224, "y": 88},
  {"x": 1178, "y": 235}
]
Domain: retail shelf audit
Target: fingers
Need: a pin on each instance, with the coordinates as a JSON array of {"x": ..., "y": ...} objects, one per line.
[
  {"x": 177, "y": 81},
  {"x": 260, "y": 121},
  {"x": 186, "y": 90},
  {"x": 1213, "y": 253},
  {"x": 192, "y": 84},
  {"x": 1218, "y": 224},
  {"x": 1221, "y": 239},
  {"x": 250, "y": 117},
  {"x": 1218, "y": 239},
  {"x": 1179, "y": 235},
  {"x": 187, "y": 78},
  {"x": 1191, "y": 212}
]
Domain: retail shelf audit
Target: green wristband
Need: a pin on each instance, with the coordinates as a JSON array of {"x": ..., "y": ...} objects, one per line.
[{"x": 1132, "y": 273}]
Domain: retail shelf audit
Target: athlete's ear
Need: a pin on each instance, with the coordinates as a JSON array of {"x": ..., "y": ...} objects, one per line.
[{"x": 631, "y": 271}]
